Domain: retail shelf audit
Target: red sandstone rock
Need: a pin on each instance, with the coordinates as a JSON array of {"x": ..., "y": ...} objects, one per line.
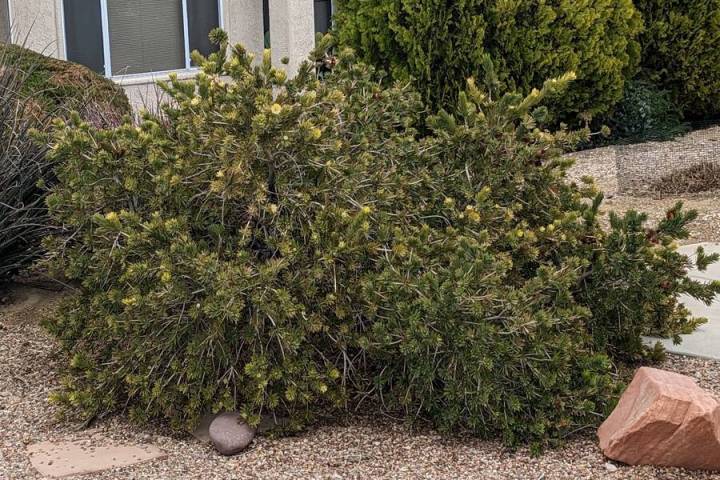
[{"x": 664, "y": 418}]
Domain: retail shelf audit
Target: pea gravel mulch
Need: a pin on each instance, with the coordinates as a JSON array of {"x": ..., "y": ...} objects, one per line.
[
  {"x": 358, "y": 448},
  {"x": 600, "y": 164}
]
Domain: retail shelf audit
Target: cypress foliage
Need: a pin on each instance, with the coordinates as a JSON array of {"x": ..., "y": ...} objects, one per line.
[
  {"x": 440, "y": 44},
  {"x": 680, "y": 52}
]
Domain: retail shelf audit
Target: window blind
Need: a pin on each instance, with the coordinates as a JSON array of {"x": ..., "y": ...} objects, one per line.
[
  {"x": 146, "y": 35},
  {"x": 83, "y": 33}
]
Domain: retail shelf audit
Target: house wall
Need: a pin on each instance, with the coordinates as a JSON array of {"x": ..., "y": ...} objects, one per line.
[
  {"x": 244, "y": 23},
  {"x": 292, "y": 31},
  {"x": 39, "y": 25}
]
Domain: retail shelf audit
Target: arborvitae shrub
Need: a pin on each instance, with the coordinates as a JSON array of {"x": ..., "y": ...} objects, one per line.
[
  {"x": 440, "y": 44},
  {"x": 680, "y": 51},
  {"x": 292, "y": 247}
]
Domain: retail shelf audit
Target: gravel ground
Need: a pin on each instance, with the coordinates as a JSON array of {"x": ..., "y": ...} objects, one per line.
[
  {"x": 357, "y": 448},
  {"x": 600, "y": 164}
]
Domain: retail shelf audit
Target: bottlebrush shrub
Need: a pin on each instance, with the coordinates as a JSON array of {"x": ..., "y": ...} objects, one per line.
[
  {"x": 504, "y": 302},
  {"x": 294, "y": 246},
  {"x": 439, "y": 44}
]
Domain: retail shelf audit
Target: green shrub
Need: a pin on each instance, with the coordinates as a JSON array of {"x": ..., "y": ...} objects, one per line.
[
  {"x": 57, "y": 88},
  {"x": 288, "y": 247},
  {"x": 646, "y": 113},
  {"x": 440, "y": 44},
  {"x": 680, "y": 51},
  {"x": 242, "y": 221}
]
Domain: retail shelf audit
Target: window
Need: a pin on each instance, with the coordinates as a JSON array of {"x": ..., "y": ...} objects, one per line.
[
  {"x": 323, "y": 15},
  {"x": 266, "y": 23},
  {"x": 123, "y": 37},
  {"x": 83, "y": 33}
]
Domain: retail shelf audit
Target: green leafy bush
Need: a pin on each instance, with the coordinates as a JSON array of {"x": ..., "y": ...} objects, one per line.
[
  {"x": 680, "y": 53},
  {"x": 293, "y": 246},
  {"x": 646, "y": 113},
  {"x": 440, "y": 44}
]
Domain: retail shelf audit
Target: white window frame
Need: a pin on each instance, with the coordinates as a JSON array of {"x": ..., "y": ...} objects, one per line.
[{"x": 105, "y": 21}]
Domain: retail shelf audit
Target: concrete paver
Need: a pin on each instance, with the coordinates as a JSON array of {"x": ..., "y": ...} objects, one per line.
[{"x": 705, "y": 341}]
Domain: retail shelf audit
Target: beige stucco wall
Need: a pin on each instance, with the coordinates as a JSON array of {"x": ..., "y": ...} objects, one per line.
[
  {"x": 292, "y": 27},
  {"x": 37, "y": 24},
  {"x": 243, "y": 21}
]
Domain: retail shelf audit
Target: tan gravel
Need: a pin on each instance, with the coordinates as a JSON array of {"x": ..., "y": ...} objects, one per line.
[
  {"x": 601, "y": 165},
  {"x": 356, "y": 448}
]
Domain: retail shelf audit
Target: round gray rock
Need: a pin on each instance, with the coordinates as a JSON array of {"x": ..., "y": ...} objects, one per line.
[{"x": 229, "y": 434}]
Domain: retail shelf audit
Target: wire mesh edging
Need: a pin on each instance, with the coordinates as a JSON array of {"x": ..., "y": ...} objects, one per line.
[{"x": 640, "y": 166}]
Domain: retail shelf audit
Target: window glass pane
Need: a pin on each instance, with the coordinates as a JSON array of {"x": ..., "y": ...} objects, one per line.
[
  {"x": 203, "y": 17},
  {"x": 83, "y": 33},
  {"x": 323, "y": 15},
  {"x": 146, "y": 36},
  {"x": 266, "y": 22},
  {"x": 4, "y": 21}
]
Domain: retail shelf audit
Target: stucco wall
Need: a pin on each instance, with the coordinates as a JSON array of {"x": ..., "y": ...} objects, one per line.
[
  {"x": 37, "y": 24},
  {"x": 292, "y": 31},
  {"x": 244, "y": 23}
]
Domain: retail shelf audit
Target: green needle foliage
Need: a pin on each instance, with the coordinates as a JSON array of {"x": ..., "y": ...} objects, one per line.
[
  {"x": 439, "y": 44},
  {"x": 295, "y": 246}
]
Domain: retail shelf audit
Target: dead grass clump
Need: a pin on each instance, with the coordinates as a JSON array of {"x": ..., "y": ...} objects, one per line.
[{"x": 698, "y": 178}]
